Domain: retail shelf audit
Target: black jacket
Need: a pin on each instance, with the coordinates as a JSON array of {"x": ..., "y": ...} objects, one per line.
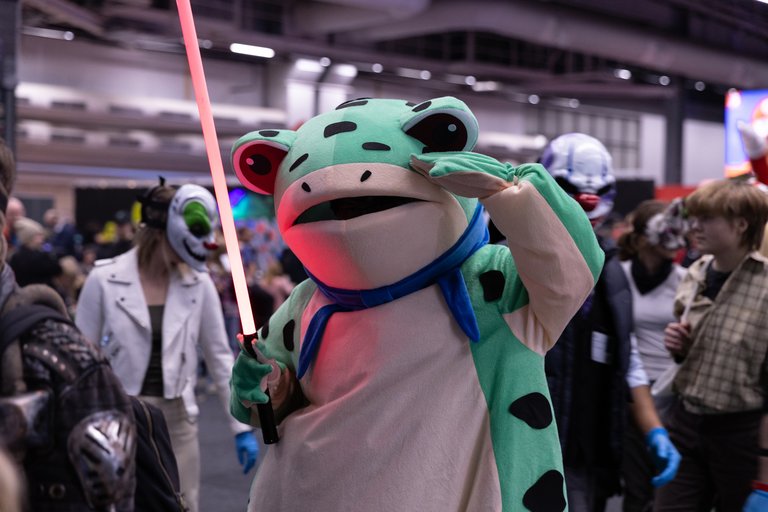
[{"x": 568, "y": 368}]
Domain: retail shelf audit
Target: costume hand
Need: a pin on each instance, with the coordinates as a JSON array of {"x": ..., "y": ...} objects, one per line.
[
  {"x": 755, "y": 146},
  {"x": 665, "y": 455},
  {"x": 463, "y": 173},
  {"x": 757, "y": 502},
  {"x": 677, "y": 338},
  {"x": 245, "y": 386},
  {"x": 247, "y": 450}
]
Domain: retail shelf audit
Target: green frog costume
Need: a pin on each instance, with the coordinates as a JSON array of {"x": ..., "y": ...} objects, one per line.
[{"x": 416, "y": 349}]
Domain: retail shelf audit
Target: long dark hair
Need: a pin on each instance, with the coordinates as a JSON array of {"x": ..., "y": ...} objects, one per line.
[
  {"x": 150, "y": 235},
  {"x": 638, "y": 221}
]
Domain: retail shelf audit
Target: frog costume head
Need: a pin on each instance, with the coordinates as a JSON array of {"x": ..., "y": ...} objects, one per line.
[{"x": 348, "y": 202}]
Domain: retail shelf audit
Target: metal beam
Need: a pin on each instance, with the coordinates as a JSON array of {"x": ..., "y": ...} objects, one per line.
[
  {"x": 71, "y": 14},
  {"x": 570, "y": 29}
]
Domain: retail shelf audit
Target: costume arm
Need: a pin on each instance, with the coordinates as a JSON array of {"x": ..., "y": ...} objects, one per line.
[
  {"x": 756, "y": 148},
  {"x": 554, "y": 248},
  {"x": 278, "y": 339},
  {"x": 216, "y": 352}
]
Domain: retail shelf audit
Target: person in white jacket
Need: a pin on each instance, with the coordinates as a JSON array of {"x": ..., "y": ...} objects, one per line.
[{"x": 151, "y": 307}]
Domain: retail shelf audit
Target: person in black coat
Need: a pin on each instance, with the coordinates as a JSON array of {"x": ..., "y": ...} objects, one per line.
[
  {"x": 31, "y": 263},
  {"x": 594, "y": 369}
]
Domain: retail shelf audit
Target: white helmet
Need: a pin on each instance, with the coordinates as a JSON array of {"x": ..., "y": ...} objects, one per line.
[{"x": 582, "y": 167}]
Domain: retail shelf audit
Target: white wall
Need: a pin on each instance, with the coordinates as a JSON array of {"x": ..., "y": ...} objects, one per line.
[
  {"x": 703, "y": 151},
  {"x": 652, "y": 149}
]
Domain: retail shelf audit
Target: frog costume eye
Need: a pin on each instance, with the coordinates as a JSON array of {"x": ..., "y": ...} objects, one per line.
[
  {"x": 442, "y": 124},
  {"x": 191, "y": 216},
  {"x": 256, "y": 158}
]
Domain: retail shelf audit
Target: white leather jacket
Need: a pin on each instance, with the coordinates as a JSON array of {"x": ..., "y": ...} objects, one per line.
[{"x": 113, "y": 313}]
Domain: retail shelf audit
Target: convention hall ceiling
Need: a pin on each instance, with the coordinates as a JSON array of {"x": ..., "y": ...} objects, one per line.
[{"x": 555, "y": 47}]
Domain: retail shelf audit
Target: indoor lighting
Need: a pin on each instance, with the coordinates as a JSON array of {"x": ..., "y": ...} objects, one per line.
[
  {"x": 345, "y": 70},
  {"x": 534, "y": 99},
  {"x": 414, "y": 73},
  {"x": 624, "y": 74},
  {"x": 700, "y": 86},
  {"x": 377, "y": 68},
  {"x": 308, "y": 65},
  {"x": 664, "y": 80},
  {"x": 486, "y": 86},
  {"x": 254, "y": 51},
  {"x": 48, "y": 33}
]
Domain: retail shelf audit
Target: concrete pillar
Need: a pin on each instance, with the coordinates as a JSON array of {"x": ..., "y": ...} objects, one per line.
[
  {"x": 10, "y": 23},
  {"x": 673, "y": 148}
]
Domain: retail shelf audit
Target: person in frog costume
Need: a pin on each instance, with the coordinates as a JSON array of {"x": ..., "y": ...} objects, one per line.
[{"x": 412, "y": 360}]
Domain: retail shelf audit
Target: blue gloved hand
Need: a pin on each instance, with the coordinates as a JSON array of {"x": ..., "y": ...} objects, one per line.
[
  {"x": 757, "y": 502},
  {"x": 665, "y": 455},
  {"x": 247, "y": 450}
]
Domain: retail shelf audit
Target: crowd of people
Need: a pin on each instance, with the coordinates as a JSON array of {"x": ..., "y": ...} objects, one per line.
[{"x": 656, "y": 314}]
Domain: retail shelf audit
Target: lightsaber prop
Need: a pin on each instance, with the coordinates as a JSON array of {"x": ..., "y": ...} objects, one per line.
[{"x": 266, "y": 414}]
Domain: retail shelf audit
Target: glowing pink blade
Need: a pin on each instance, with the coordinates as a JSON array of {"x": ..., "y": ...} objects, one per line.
[{"x": 214, "y": 160}]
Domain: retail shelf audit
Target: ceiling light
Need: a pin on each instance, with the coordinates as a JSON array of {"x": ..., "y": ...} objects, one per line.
[
  {"x": 308, "y": 65},
  {"x": 534, "y": 99},
  {"x": 622, "y": 73},
  {"x": 574, "y": 103},
  {"x": 425, "y": 75},
  {"x": 325, "y": 62},
  {"x": 377, "y": 68},
  {"x": 48, "y": 33},
  {"x": 700, "y": 86},
  {"x": 664, "y": 80},
  {"x": 486, "y": 86},
  {"x": 345, "y": 70},
  {"x": 409, "y": 72},
  {"x": 254, "y": 51},
  {"x": 470, "y": 80}
]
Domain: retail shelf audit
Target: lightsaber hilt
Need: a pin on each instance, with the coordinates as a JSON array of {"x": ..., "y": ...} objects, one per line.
[{"x": 265, "y": 411}]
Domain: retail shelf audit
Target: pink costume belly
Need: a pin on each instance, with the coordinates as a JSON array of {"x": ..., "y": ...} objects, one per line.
[{"x": 397, "y": 419}]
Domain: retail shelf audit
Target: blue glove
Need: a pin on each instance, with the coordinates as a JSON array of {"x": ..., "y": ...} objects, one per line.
[
  {"x": 757, "y": 502},
  {"x": 247, "y": 450},
  {"x": 665, "y": 455}
]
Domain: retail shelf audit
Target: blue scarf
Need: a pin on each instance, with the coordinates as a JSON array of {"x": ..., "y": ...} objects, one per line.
[{"x": 445, "y": 270}]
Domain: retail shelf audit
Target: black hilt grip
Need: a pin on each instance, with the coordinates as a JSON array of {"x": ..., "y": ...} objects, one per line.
[
  {"x": 265, "y": 411},
  {"x": 267, "y": 420}
]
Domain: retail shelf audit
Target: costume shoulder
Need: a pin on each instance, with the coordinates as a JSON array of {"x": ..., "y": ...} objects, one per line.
[{"x": 279, "y": 337}]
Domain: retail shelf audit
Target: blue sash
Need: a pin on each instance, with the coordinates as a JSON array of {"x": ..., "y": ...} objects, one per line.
[{"x": 445, "y": 270}]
